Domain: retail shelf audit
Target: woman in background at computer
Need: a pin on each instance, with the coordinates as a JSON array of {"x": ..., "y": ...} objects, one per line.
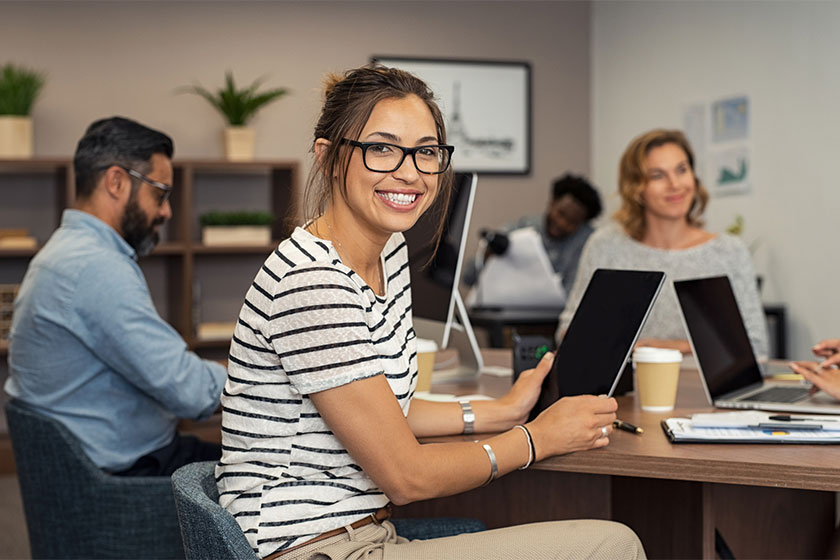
[
  {"x": 319, "y": 429},
  {"x": 659, "y": 227},
  {"x": 825, "y": 374}
]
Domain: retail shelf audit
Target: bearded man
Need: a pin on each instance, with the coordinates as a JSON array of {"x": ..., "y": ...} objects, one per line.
[{"x": 87, "y": 346}]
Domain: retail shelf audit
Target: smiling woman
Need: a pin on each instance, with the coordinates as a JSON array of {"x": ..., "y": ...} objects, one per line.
[
  {"x": 659, "y": 227},
  {"x": 319, "y": 425}
]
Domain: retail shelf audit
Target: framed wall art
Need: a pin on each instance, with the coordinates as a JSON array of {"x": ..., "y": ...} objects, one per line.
[{"x": 487, "y": 107}]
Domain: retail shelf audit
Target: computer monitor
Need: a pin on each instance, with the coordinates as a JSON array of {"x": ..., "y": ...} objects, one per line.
[{"x": 437, "y": 308}]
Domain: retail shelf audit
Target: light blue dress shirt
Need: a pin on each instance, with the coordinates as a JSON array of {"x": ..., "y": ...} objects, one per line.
[{"x": 89, "y": 349}]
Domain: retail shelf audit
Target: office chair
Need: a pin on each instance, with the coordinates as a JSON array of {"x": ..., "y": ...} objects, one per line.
[
  {"x": 75, "y": 510},
  {"x": 210, "y": 531}
]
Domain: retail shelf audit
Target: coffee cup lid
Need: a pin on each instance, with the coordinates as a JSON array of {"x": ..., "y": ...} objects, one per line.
[
  {"x": 648, "y": 354},
  {"x": 426, "y": 345}
]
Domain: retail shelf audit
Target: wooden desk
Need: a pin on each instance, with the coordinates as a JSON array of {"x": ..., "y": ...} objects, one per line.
[{"x": 767, "y": 501}]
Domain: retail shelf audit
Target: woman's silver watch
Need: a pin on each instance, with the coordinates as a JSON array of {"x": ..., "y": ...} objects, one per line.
[{"x": 469, "y": 417}]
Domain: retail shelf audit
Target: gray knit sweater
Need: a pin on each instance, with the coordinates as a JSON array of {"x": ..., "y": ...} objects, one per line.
[{"x": 610, "y": 247}]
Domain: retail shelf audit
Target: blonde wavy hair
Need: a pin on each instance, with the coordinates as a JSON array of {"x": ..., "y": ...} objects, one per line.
[{"x": 632, "y": 180}]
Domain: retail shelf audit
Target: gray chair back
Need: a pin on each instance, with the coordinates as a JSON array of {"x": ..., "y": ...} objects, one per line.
[
  {"x": 75, "y": 510},
  {"x": 209, "y": 531}
]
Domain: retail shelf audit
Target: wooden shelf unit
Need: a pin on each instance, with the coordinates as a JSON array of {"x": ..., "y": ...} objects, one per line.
[{"x": 181, "y": 247}]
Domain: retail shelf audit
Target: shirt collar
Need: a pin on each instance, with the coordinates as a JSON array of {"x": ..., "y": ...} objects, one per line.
[{"x": 78, "y": 219}]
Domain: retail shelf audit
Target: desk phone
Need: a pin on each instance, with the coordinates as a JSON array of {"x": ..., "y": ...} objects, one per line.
[{"x": 528, "y": 350}]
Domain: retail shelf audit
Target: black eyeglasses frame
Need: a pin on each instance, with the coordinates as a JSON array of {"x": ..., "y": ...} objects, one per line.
[
  {"x": 167, "y": 189},
  {"x": 406, "y": 151}
]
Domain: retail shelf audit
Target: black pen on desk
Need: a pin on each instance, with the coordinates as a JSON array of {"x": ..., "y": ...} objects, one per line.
[
  {"x": 789, "y": 418},
  {"x": 621, "y": 425}
]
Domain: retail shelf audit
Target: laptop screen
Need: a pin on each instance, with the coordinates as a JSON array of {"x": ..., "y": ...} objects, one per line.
[
  {"x": 601, "y": 335},
  {"x": 717, "y": 333}
]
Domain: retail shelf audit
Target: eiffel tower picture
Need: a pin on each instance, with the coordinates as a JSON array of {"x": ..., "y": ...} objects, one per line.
[{"x": 469, "y": 145}]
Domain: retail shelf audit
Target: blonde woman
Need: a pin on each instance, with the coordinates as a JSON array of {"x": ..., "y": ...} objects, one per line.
[{"x": 659, "y": 227}]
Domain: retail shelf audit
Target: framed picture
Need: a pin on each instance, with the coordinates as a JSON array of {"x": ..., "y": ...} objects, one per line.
[{"x": 487, "y": 108}]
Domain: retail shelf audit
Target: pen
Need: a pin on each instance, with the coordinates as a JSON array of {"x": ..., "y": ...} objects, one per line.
[
  {"x": 789, "y": 418},
  {"x": 621, "y": 425}
]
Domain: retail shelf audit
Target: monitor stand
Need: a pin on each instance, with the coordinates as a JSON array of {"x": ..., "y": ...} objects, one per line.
[{"x": 461, "y": 338}]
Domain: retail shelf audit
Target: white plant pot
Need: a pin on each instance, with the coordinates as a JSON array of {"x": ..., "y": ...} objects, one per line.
[
  {"x": 239, "y": 143},
  {"x": 235, "y": 235},
  {"x": 15, "y": 137}
]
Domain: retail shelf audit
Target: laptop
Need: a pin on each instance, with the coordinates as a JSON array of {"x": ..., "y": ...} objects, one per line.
[
  {"x": 731, "y": 375},
  {"x": 601, "y": 336}
]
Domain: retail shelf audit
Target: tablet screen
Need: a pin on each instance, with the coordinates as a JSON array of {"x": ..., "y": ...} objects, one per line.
[{"x": 602, "y": 334}]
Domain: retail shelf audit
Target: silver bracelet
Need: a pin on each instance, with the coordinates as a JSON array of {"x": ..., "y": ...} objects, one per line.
[
  {"x": 530, "y": 447},
  {"x": 469, "y": 417},
  {"x": 494, "y": 466}
]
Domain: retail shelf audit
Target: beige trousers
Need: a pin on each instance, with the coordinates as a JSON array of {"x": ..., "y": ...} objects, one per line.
[{"x": 555, "y": 540}]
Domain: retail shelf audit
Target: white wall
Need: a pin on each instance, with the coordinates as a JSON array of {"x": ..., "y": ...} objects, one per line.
[
  {"x": 105, "y": 58},
  {"x": 649, "y": 59}
]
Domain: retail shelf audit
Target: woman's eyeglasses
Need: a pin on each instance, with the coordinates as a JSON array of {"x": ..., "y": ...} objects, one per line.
[{"x": 382, "y": 157}]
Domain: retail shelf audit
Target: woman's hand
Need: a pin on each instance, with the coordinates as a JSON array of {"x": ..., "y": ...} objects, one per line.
[
  {"x": 824, "y": 378},
  {"x": 522, "y": 397},
  {"x": 573, "y": 424},
  {"x": 829, "y": 350},
  {"x": 824, "y": 375}
]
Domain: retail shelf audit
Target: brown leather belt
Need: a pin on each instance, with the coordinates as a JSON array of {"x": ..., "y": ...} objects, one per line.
[{"x": 380, "y": 515}]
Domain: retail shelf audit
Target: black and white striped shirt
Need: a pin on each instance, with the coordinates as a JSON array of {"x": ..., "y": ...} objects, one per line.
[{"x": 308, "y": 324}]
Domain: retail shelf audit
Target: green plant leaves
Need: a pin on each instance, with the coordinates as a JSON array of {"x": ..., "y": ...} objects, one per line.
[
  {"x": 237, "y": 106},
  {"x": 19, "y": 88}
]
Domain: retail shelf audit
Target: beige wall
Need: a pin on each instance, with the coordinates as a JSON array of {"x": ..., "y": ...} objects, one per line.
[
  {"x": 128, "y": 58},
  {"x": 651, "y": 59}
]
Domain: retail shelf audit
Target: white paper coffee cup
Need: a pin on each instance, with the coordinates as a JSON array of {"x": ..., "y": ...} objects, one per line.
[
  {"x": 426, "y": 350},
  {"x": 657, "y": 376}
]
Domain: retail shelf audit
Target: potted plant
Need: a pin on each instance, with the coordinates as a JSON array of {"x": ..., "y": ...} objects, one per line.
[
  {"x": 238, "y": 107},
  {"x": 236, "y": 228},
  {"x": 19, "y": 88}
]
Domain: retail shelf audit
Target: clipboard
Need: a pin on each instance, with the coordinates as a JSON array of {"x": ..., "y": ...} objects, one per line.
[{"x": 681, "y": 430}]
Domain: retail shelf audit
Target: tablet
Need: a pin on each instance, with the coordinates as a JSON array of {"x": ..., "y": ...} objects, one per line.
[{"x": 601, "y": 336}]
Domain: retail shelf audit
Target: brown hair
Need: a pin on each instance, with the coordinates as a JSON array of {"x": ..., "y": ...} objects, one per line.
[
  {"x": 632, "y": 180},
  {"x": 349, "y": 101}
]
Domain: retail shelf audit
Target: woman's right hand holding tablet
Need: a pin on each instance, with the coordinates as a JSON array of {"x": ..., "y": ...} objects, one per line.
[{"x": 573, "y": 424}]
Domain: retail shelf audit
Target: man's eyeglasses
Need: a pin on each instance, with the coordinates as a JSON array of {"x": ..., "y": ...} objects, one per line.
[
  {"x": 167, "y": 189},
  {"x": 382, "y": 157}
]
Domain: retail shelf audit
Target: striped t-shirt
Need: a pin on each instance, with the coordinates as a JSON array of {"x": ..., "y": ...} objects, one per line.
[{"x": 309, "y": 323}]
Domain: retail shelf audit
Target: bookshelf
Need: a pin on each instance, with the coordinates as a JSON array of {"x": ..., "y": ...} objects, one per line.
[{"x": 189, "y": 281}]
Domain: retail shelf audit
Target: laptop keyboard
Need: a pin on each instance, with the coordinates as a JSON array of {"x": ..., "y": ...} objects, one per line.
[{"x": 780, "y": 394}]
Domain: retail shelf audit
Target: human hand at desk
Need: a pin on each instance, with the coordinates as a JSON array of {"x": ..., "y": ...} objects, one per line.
[
  {"x": 523, "y": 395},
  {"x": 573, "y": 424},
  {"x": 829, "y": 350},
  {"x": 824, "y": 375}
]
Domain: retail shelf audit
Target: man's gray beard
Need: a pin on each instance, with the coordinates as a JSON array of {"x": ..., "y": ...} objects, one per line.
[{"x": 136, "y": 229}]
